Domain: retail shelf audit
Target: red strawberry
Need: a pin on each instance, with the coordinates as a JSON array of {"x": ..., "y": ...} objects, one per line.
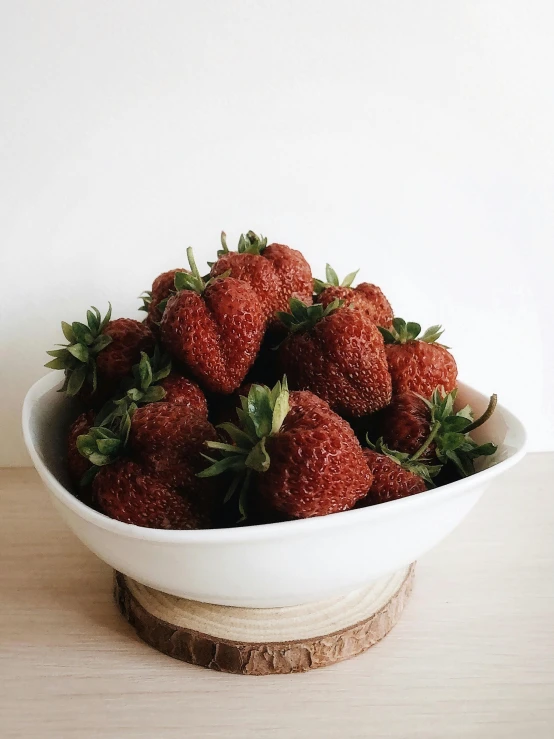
[
  {"x": 126, "y": 491},
  {"x": 295, "y": 453},
  {"x": 180, "y": 390},
  {"x": 406, "y": 424},
  {"x": 432, "y": 430},
  {"x": 99, "y": 354},
  {"x": 418, "y": 364},
  {"x": 164, "y": 434},
  {"x": 154, "y": 300},
  {"x": 128, "y": 339},
  {"x": 78, "y": 465},
  {"x": 390, "y": 479},
  {"x": 275, "y": 272},
  {"x": 338, "y": 354},
  {"x": 365, "y": 297},
  {"x": 214, "y": 329},
  {"x": 169, "y": 440},
  {"x": 151, "y": 380}
]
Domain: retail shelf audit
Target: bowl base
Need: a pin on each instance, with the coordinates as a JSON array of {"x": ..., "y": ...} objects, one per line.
[{"x": 265, "y": 641}]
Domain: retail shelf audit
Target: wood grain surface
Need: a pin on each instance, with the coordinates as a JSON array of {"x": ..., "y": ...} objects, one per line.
[
  {"x": 269, "y": 641},
  {"x": 472, "y": 655}
]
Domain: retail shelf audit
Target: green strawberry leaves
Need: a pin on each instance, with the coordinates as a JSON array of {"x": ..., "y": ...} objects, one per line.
[
  {"x": 146, "y": 298},
  {"x": 303, "y": 317},
  {"x": 75, "y": 379},
  {"x": 453, "y": 445},
  {"x": 258, "y": 459},
  {"x": 280, "y": 405},
  {"x": 449, "y": 433},
  {"x": 249, "y": 243},
  {"x": 259, "y": 408},
  {"x": 193, "y": 281},
  {"x": 140, "y": 388},
  {"x": 80, "y": 352},
  {"x": 261, "y": 415},
  {"x": 100, "y": 446},
  {"x": 106, "y": 441},
  {"x": 77, "y": 358},
  {"x": 332, "y": 280},
  {"x": 410, "y": 463},
  {"x": 402, "y": 333}
]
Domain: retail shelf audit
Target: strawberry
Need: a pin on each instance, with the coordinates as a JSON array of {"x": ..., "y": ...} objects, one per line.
[
  {"x": 105, "y": 441},
  {"x": 338, "y": 354},
  {"x": 179, "y": 390},
  {"x": 143, "y": 464},
  {"x": 367, "y": 298},
  {"x": 418, "y": 364},
  {"x": 293, "y": 452},
  {"x": 128, "y": 339},
  {"x": 99, "y": 354},
  {"x": 214, "y": 329},
  {"x": 432, "y": 430},
  {"x": 275, "y": 272},
  {"x": 155, "y": 300},
  {"x": 130, "y": 493},
  {"x": 405, "y": 424},
  {"x": 169, "y": 439},
  {"x": 391, "y": 479},
  {"x": 153, "y": 379},
  {"x": 78, "y": 465}
]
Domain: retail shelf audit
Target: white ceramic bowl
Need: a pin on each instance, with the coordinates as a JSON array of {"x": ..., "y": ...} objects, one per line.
[{"x": 279, "y": 564}]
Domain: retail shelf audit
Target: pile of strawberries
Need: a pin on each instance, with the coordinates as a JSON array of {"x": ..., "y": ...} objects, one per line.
[{"x": 256, "y": 394}]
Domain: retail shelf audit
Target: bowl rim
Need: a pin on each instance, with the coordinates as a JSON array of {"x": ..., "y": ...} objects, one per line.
[{"x": 277, "y": 530}]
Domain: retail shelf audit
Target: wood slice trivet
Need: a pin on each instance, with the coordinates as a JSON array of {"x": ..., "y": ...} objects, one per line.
[{"x": 265, "y": 641}]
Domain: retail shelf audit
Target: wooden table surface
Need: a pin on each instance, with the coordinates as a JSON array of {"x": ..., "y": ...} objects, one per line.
[{"x": 473, "y": 655}]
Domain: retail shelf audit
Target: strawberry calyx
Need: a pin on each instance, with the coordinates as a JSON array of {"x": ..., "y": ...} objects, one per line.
[
  {"x": 403, "y": 333},
  {"x": 193, "y": 281},
  {"x": 260, "y": 416},
  {"x": 141, "y": 387},
  {"x": 450, "y": 431},
  {"x": 449, "y": 434},
  {"x": 77, "y": 358},
  {"x": 303, "y": 317},
  {"x": 146, "y": 297},
  {"x": 249, "y": 243},
  {"x": 106, "y": 441},
  {"x": 332, "y": 280},
  {"x": 408, "y": 462}
]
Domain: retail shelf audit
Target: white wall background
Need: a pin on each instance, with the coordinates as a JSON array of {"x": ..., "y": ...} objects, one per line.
[{"x": 413, "y": 139}]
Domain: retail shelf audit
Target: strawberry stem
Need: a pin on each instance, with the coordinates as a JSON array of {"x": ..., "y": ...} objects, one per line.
[
  {"x": 485, "y": 416},
  {"x": 192, "y": 262},
  {"x": 224, "y": 247},
  {"x": 193, "y": 281},
  {"x": 423, "y": 448}
]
